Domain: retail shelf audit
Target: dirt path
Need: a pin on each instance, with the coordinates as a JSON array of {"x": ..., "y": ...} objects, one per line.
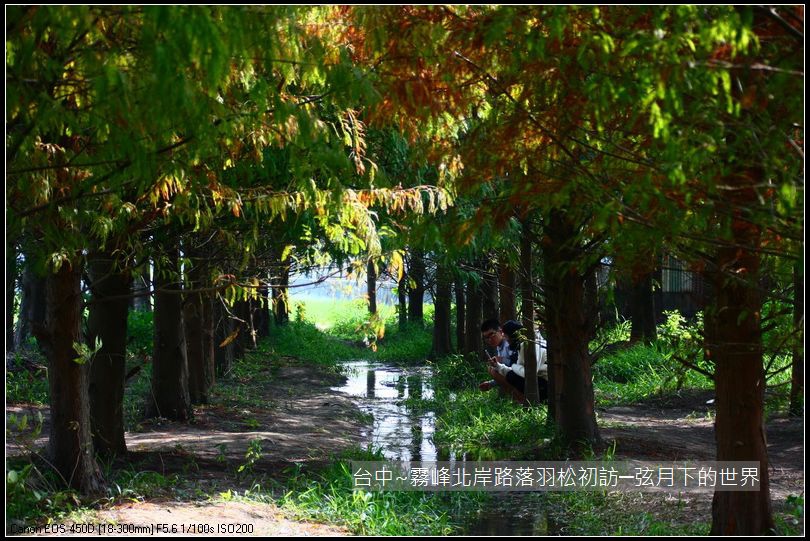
[
  {"x": 301, "y": 423},
  {"x": 679, "y": 428}
]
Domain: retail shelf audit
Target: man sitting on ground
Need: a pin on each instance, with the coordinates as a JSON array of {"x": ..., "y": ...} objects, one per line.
[
  {"x": 493, "y": 337},
  {"x": 514, "y": 374}
]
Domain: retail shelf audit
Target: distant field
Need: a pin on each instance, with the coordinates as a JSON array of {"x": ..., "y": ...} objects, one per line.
[{"x": 325, "y": 312}]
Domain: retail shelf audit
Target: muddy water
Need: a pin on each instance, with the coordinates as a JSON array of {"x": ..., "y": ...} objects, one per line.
[{"x": 382, "y": 390}]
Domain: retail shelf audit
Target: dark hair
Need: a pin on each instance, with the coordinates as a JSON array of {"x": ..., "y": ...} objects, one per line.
[
  {"x": 511, "y": 327},
  {"x": 490, "y": 325}
]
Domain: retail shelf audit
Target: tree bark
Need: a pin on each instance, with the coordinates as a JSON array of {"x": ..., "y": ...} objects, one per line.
[
  {"x": 461, "y": 315},
  {"x": 195, "y": 347},
  {"x": 402, "y": 307},
  {"x": 797, "y": 372},
  {"x": 531, "y": 390},
  {"x": 642, "y": 301},
  {"x": 473, "y": 346},
  {"x": 416, "y": 293},
  {"x": 11, "y": 288},
  {"x": 107, "y": 321},
  {"x": 141, "y": 299},
  {"x": 489, "y": 294},
  {"x": 570, "y": 372},
  {"x": 244, "y": 339},
  {"x": 209, "y": 338},
  {"x": 371, "y": 282},
  {"x": 281, "y": 302},
  {"x": 441, "y": 321},
  {"x": 223, "y": 328},
  {"x": 32, "y": 304},
  {"x": 170, "y": 394},
  {"x": 734, "y": 344},
  {"x": 591, "y": 304},
  {"x": 261, "y": 313},
  {"x": 507, "y": 284},
  {"x": 70, "y": 447}
]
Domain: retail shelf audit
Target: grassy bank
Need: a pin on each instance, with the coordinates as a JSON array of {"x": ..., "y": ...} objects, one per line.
[
  {"x": 328, "y": 496},
  {"x": 469, "y": 423}
]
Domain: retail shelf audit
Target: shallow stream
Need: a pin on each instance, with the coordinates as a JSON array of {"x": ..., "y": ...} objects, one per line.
[{"x": 381, "y": 390}]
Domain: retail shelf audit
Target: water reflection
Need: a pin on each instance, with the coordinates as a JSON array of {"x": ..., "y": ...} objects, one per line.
[
  {"x": 510, "y": 513},
  {"x": 407, "y": 434},
  {"x": 402, "y": 434},
  {"x": 370, "y": 383}
]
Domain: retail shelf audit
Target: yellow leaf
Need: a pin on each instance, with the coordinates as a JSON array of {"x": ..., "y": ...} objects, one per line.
[
  {"x": 230, "y": 338},
  {"x": 397, "y": 267},
  {"x": 286, "y": 252}
]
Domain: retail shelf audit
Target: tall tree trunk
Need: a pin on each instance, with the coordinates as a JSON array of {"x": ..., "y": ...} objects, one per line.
[
  {"x": 281, "y": 302},
  {"x": 570, "y": 374},
  {"x": 247, "y": 315},
  {"x": 642, "y": 300},
  {"x": 402, "y": 295},
  {"x": 11, "y": 288},
  {"x": 107, "y": 321},
  {"x": 223, "y": 329},
  {"x": 734, "y": 344},
  {"x": 554, "y": 353},
  {"x": 243, "y": 341},
  {"x": 70, "y": 447},
  {"x": 254, "y": 304},
  {"x": 531, "y": 390},
  {"x": 209, "y": 367},
  {"x": 261, "y": 313},
  {"x": 797, "y": 373},
  {"x": 591, "y": 304},
  {"x": 489, "y": 293},
  {"x": 473, "y": 346},
  {"x": 193, "y": 325},
  {"x": 140, "y": 287},
  {"x": 32, "y": 304},
  {"x": 461, "y": 315},
  {"x": 441, "y": 321},
  {"x": 416, "y": 293},
  {"x": 371, "y": 282},
  {"x": 507, "y": 283},
  {"x": 170, "y": 395}
]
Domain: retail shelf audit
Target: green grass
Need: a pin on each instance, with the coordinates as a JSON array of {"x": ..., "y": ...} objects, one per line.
[
  {"x": 338, "y": 317},
  {"x": 642, "y": 371},
  {"x": 330, "y": 331},
  {"x": 139, "y": 352},
  {"x": 329, "y": 496},
  {"x": 618, "y": 513},
  {"x": 27, "y": 387},
  {"x": 488, "y": 427},
  {"x": 482, "y": 425},
  {"x": 789, "y": 520},
  {"x": 777, "y": 392},
  {"x": 305, "y": 342},
  {"x": 34, "y": 491},
  {"x": 244, "y": 386}
]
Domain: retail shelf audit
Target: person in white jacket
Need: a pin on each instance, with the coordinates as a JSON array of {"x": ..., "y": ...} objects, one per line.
[
  {"x": 515, "y": 373},
  {"x": 494, "y": 338}
]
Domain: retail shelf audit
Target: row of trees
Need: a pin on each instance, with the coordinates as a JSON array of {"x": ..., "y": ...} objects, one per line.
[
  {"x": 230, "y": 144},
  {"x": 181, "y": 137},
  {"x": 623, "y": 132}
]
